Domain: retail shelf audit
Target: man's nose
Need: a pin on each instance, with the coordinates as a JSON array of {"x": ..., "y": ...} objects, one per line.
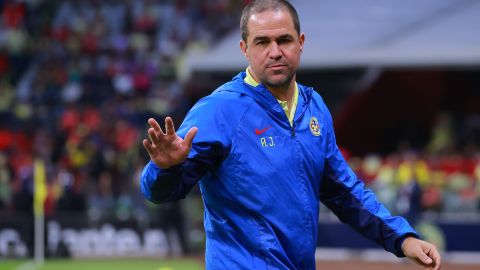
[{"x": 275, "y": 52}]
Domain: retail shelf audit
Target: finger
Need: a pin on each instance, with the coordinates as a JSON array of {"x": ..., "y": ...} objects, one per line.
[
  {"x": 437, "y": 259},
  {"x": 432, "y": 252},
  {"x": 154, "y": 124},
  {"x": 423, "y": 258},
  {"x": 153, "y": 136},
  {"x": 436, "y": 262},
  {"x": 190, "y": 135},
  {"x": 169, "y": 127},
  {"x": 148, "y": 146}
]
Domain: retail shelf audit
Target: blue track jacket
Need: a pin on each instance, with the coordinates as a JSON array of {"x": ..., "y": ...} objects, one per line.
[{"x": 262, "y": 179}]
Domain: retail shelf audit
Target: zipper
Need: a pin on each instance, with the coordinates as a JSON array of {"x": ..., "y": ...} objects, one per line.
[{"x": 292, "y": 129}]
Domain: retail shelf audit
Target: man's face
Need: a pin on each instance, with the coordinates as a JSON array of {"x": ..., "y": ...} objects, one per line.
[{"x": 273, "y": 47}]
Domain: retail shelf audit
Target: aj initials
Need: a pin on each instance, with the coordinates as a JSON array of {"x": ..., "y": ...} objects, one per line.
[{"x": 267, "y": 142}]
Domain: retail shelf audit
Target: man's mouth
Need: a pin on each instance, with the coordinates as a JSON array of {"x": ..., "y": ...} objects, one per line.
[{"x": 276, "y": 66}]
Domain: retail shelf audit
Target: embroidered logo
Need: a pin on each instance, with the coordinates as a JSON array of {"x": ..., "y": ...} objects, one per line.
[
  {"x": 261, "y": 131},
  {"x": 315, "y": 126}
]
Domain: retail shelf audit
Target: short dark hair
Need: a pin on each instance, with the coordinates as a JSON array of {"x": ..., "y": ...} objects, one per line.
[{"x": 258, "y": 6}]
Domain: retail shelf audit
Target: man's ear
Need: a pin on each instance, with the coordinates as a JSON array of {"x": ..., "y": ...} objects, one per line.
[
  {"x": 243, "y": 47},
  {"x": 301, "y": 39}
]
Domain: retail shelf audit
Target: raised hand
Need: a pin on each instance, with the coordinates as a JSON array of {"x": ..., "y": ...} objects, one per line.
[
  {"x": 421, "y": 252},
  {"x": 167, "y": 149}
]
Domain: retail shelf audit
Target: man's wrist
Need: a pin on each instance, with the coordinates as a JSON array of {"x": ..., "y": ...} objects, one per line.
[{"x": 401, "y": 241}]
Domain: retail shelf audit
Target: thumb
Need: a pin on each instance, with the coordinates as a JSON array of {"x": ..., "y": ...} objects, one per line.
[
  {"x": 424, "y": 258},
  {"x": 190, "y": 135}
]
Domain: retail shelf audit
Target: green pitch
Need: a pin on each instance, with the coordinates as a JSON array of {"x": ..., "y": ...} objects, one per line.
[{"x": 120, "y": 264}]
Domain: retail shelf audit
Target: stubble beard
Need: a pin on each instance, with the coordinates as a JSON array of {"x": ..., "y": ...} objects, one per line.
[{"x": 279, "y": 84}]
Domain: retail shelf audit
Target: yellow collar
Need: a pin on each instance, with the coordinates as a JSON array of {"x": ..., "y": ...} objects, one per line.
[{"x": 290, "y": 114}]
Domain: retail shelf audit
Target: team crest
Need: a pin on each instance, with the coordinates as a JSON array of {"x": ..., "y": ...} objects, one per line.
[{"x": 315, "y": 126}]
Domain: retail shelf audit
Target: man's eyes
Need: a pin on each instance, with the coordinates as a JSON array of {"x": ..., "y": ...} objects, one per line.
[
  {"x": 280, "y": 41},
  {"x": 284, "y": 40}
]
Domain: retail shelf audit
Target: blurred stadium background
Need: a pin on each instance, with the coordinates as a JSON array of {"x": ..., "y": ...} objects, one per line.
[{"x": 79, "y": 78}]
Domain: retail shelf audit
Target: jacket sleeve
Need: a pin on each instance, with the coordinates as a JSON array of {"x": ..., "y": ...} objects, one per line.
[
  {"x": 210, "y": 146},
  {"x": 345, "y": 194}
]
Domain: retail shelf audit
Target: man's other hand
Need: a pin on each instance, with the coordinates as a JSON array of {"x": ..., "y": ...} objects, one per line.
[{"x": 421, "y": 252}]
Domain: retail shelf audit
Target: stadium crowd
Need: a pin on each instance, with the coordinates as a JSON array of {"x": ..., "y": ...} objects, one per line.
[{"x": 78, "y": 79}]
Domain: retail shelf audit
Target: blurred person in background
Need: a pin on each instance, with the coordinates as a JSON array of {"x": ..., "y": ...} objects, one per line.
[{"x": 266, "y": 154}]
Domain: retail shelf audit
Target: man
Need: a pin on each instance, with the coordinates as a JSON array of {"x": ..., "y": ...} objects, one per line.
[{"x": 266, "y": 155}]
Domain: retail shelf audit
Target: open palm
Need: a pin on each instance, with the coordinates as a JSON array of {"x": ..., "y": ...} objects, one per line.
[{"x": 167, "y": 149}]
